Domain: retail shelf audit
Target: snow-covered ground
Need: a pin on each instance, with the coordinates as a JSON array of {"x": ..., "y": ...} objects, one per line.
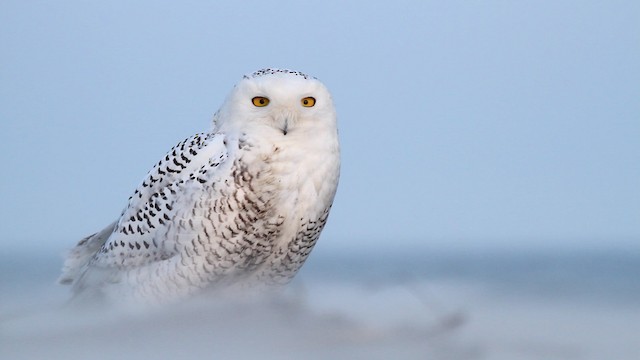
[{"x": 451, "y": 306}]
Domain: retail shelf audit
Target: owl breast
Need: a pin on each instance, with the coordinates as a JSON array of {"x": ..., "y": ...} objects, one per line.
[{"x": 284, "y": 192}]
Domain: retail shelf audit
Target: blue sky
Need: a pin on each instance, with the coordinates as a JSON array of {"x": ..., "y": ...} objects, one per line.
[{"x": 464, "y": 124}]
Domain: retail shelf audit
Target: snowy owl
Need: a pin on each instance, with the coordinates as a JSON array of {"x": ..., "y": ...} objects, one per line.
[{"x": 241, "y": 204}]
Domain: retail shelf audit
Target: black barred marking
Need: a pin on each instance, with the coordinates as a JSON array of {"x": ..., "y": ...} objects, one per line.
[{"x": 176, "y": 162}]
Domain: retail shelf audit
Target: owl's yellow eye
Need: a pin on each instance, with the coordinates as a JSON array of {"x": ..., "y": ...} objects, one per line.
[
  {"x": 260, "y": 101},
  {"x": 308, "y": 101}
]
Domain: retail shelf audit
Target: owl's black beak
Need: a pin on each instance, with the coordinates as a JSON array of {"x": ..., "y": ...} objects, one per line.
[{"x": 283, "y": 121}]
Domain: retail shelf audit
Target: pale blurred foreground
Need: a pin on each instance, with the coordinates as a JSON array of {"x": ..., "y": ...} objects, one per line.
[{"x": 419, "y": 306}]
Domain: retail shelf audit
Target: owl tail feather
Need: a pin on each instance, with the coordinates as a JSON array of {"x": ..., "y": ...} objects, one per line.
[{"x": 82, "y": 253}]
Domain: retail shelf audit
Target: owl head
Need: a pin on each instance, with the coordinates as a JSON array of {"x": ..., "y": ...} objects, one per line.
[{"x": 278, "y": 103}]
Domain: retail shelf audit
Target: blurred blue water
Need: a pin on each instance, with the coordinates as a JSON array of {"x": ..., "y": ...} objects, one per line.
[
  {"x": 584, "y": 275},
  {"x": 590, "y": 275}
]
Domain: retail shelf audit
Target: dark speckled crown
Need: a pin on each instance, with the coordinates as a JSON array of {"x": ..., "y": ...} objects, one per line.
[{"x": 270, "y": 71}]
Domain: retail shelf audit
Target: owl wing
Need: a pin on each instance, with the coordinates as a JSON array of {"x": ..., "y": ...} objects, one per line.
[{"x": 138, "y": 236}]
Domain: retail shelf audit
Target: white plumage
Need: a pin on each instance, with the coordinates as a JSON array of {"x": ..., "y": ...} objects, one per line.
[{"x": 241, "y": 205}]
